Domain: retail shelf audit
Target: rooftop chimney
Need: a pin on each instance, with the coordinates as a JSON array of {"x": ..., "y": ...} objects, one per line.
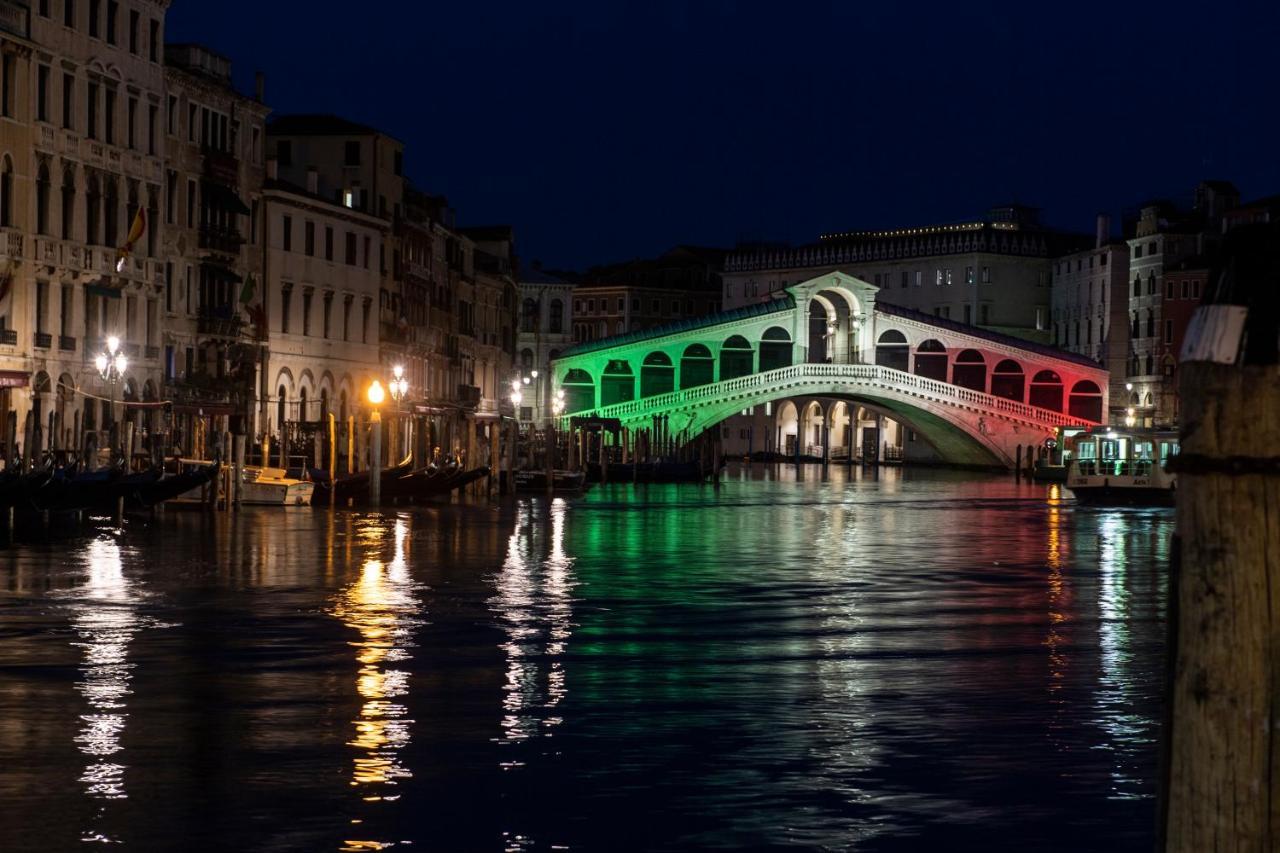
[
  {"x": 313, "y": 180},
  {"x": 273, "y": 168},
  {"x": 1104, "y": 230},
  {"x": 260, "y": 86}
]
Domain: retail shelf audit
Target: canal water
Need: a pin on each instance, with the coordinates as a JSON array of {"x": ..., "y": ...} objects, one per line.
[{"x": 908, "y": 660}]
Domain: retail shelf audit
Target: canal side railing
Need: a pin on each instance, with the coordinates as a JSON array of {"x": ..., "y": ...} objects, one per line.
[{"x": 863, "y": 374}]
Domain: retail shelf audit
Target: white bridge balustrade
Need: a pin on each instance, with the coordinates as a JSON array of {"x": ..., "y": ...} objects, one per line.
[{"x": 828, "y": 338}]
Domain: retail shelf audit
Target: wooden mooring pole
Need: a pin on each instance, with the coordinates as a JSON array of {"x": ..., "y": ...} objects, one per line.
[{"x": 1220, "y": 787}]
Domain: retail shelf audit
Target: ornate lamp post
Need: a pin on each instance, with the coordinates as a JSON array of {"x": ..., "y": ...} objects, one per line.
[
  {"x": 111, "y": 366},
  {"x": 375, "y": 396},
  {"x": 399, "y": 388}
]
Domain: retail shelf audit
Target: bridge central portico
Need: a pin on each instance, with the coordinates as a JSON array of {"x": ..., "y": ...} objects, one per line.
[{"x": 976, "y": 396}]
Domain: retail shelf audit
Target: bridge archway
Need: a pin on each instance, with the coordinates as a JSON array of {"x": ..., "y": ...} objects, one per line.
[
  {"x": 787, "y": 422},
  {"x": 618, "y": 383},
  {"x": 1085, "y": 401},
  {"x": 892, "y": 350},
  {"x": 1046, "y": 390},
  {"x": 579, "y": 391},
  {"x": 1008, "y": 380},
  {"x": 657, "y": 375},
  {"x": 970, "y": 371},
  {"x": 775, "y": 348},
  {"x": 697, "y": 367},
  {"x": 931, "y": 360},
  {"x": 737, "y": 358}
]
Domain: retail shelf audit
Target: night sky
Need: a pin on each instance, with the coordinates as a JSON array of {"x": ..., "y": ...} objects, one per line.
[{"x": 609, "y": 130}]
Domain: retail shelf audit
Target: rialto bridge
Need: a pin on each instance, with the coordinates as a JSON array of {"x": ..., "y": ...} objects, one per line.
[{"x": 976, "y": 397}]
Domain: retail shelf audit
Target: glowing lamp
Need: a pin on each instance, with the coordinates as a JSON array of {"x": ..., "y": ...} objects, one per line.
[
  {"x": 376, "y": 394},
  {"x": 121, "y": 363},
  {"x": 113, "y": 344},
  {"x": 101, "y": 363},
  {"x": 398, "y": 371}
]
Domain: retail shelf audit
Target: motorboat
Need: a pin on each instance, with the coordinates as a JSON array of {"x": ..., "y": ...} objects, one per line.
[
  {"x": 273, "y": 487},
  {"x": 1119, "y": 466}
]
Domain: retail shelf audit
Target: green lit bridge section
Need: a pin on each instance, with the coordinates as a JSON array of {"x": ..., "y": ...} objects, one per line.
[{"x": 977, "y": 397}]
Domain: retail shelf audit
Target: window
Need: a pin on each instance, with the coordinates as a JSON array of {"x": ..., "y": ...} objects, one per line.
[
  {"x": 91, "y": 112},
  {"x": 130, "y": 133},
  {"x": 309, "y": 238},
  {"x": 635, "y": 303},
  {"x": 1168, "y": 331},
  {"x": 113, "y": 11},
  {"x": 1186, "y": 289},
  {"x": 968, "y": 314},
  {"x": 986, "y": 314},
  {"x": 44, "y": 8},
  {"x": 42, "y": 306},
  {"x": 968, "y": 276},
  {"x": 8, "y": 88},
  {"x": 622, "y": 304},
  {"x": 1151, "y": 323},
  {"x": 255, "y": 144},
  {"x": 286, "y": 297},
  {"x": 69, "y": 13},
  {"x": 367, "y": 243},
  {"x": 152, "y": 115},
  {"x": 168, "y": 286},
  {"x": 948, "y": 271},
  {"x": 591, "y": 306},
  {"x": 153, "y": 46},
  {"x": 351, "y": 248},
  {"x": 919, "y": 278},
  {"x": 399, "y": 163},
  {"x": 986, "y": 275},
  {"x": 905, "y": 279},
  {"x": 109, "y": 132},
  {"x": 6, "y": 192},
  {"x": 284, "y": 152},
  {"x": 1151, "y": 283},
  {"x": 327, "y": 309},
  {"x": 95, "y": 9},
  {"x": 352, "y": 153},
  {"x": 42, "y": 90},
  {"x": 364, "y": 328},
  {"x": 1168, "y": 289},
  {"x": 286, "y": 233},
  {"x": 192, "y": 112},
  {"x": 656, "y": 307},
  {"x": 68, "y": 100},
  {"x": 135, "y": 24},
  {"x": 1195, "y": 289},
  {"x": 328, "y": 243},
  {"x": 1137, "y": 285},
  {"x": 1137, "y": 251},
  {"x": 1040, "y": 317},
  {"x": 171, "y": 117},
  {"x": 938, "y": 278}
]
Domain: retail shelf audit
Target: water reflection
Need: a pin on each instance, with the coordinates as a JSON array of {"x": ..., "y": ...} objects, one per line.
[
  {"x": 105, "y": 618},
  {"x": 382, "y": 606},
  {"x": 535, "y": 605}
]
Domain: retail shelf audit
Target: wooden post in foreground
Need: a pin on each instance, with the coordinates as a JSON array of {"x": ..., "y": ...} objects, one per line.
[{"x": 1223, "y": 786}]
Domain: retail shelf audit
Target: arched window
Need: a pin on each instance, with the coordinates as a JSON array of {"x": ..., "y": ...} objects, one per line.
[
  {"x": 1135, "y": 330},
  {"x": 1137, "y": 285},
  {"x": 736, "y": 358},
  {"x": 1151, "y": 282},
  {"x": 1046, "y": 391},
  {"x": 92, "y": 212},
  {"x": 892, "y": 350},
  {"x": 1085, "y": 401},
  {"x": 302, "y": 405},
  {"x": 602, "y": 330},
  {"x": 324, "y": 407},
  {"x": 618, "y": 385},
  {"x": 42, "y": 200},
  {"x": 6, "y": 191},
  {"x": 970, "y": 370},
  {"x": 68, "y": 203},
  {"x": 1151, "y": 325},
  {"x": 697, "y": 367},
  {"x": 775, "y": 349},
  {"x": 931, "y": 360},
  {"x": 1150, "y": 365},
  {"x": 579, "y": 391},
  {"x": 1008, "y": 380},
  {"x": 111, "y": 213},
  {"x": 280, "y": 394},
  {"x": 657, "y": 375},
  {"x": 528, "y": 315},
  {"x": 556, "y": 326},
  {"x": 526, "y": 358}
]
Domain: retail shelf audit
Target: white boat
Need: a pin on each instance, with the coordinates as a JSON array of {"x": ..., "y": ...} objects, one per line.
[
  {"x": 263, "y": 487},
  {"x": 1118, "y": 466},
  {"x": 271, "y": 487}
]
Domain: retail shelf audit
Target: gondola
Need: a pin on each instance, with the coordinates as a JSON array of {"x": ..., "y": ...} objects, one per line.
[
  {"x": 351, "y": 487},
  {"x": 531, "y": 480}
]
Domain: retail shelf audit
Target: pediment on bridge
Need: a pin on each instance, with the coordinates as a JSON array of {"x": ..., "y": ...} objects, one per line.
[{"x": 861, "y": 295}]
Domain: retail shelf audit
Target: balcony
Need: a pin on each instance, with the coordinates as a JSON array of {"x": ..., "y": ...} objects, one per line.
[
  {"x": 152, "y": 352},
  {"x": 469, "y": 395},
  {"x": 44, "y": 340},
  {"x": 220, "y": 239},
  {"x": 66, "y": 343},
  {"x": 11, "y": 243},
  {"x": 220, "y": 322},
  {"x": 9, "y": 337}
]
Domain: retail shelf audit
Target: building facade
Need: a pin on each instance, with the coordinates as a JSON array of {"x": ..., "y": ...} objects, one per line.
[
  {"x": 546, "y": 330},
  {"x": 1090, "y": 292},
  {"x": 81, "y": 165}
]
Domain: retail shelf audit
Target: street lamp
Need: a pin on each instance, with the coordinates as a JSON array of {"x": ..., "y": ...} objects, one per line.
[
  {"x": 1129, "y": 417},
  {"x": 376, "y": 396},
  {"x": 111, "y": 367},
  {"x": 399, "y": 388}
]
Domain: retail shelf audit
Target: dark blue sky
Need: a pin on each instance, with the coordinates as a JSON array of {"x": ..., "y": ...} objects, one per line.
[{"x": 609, "y": 130}]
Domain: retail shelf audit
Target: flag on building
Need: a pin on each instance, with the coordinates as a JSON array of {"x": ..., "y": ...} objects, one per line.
[{"x": 136, "y": 230}]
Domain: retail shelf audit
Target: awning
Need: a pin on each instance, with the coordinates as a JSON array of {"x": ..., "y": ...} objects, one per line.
[
  {"x": 224, "y": 197},
  {"x": 103, "y": 287},
  {"x": 14, "y": 379}
]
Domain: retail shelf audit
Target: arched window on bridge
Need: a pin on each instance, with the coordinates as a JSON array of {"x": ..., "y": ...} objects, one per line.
[
  {"x": 1046, "y": 391},
  {"x": 892, "y": 350},
  {"x": 1008, "y": 380},
  {"x": 579, "y": 391},
  {"x": 736, "y": 358},
  {"x": 697, "y": 367},
  {"x": 970, "y": 370},
  {"x": 1086, "y": 401},
  {"x": 775, "y": 349},
  {"x": 618, "y": 385},
  {"x": 931, "y": 360},
  {"x": 819, "y": 323},
  {"x": 657, "y": 375}
]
